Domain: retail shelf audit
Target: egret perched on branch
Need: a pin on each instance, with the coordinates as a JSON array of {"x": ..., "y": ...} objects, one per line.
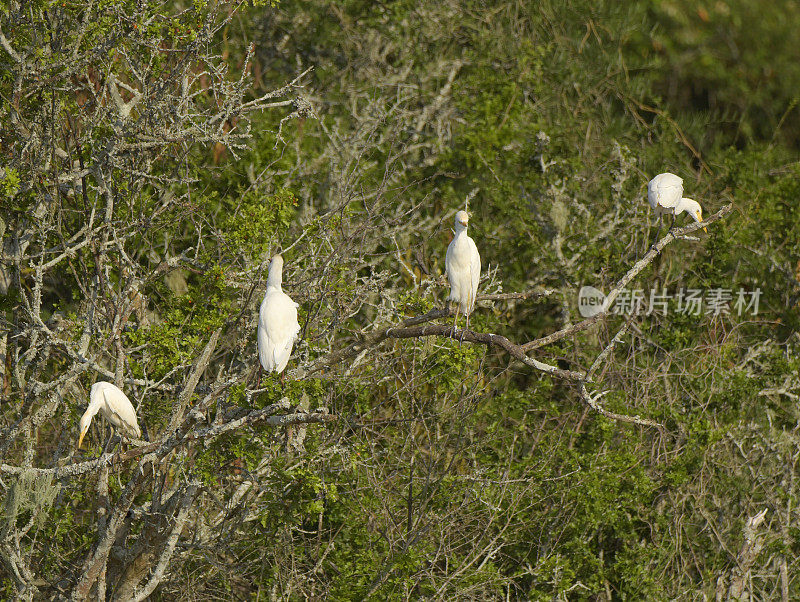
[
  {"x": 115, "y": 406},
  {"x": 665, "y": 195},
  {"x": 277, "y": 322},
  {"x": 463, "y": 265}
]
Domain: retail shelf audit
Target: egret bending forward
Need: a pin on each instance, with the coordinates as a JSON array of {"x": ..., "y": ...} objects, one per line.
[
  {"x": 277, "y": 322},
  {"x": 665, "y": 195},
  {"x": 115, "y": 406},
  {"x": 463, "y": 265}
]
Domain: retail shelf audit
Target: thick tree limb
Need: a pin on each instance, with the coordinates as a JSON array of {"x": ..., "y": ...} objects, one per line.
[
  {"x": 377, "y": 337},
  {"x": 191, "y": 384},
  {"x": 128, "y": 591},
  {"x": 751, "y": 547},
  {"x": 96, "y": 561},
  {"x": 561, "y": 334}
]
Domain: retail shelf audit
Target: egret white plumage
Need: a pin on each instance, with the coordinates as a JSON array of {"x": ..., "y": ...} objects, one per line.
[
  {"x": 115, "y": 406},
  {"x": 463, "y": 265},
  {"x": 277, "y": 322},
  {"x": 665, "y": 195}
]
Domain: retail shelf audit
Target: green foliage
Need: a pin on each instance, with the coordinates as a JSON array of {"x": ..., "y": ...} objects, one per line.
[
  {"x": 556, "y": 113},
  {"x": 187, "y": 323},
  {"x": 731, "y": 58},
  {"x": 9, "y": 184},
  {"x": 564, "y": 110},
  {"x": 413, "y": 303},
  {"x": 258, "y": 221}
]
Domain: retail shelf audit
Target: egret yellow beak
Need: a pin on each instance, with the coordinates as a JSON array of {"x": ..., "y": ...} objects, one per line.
[
  {"x": 700, "y": 219},
  {"x": 80, "y": 439}
]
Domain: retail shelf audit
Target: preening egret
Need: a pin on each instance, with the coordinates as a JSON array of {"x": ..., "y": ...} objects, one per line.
[
  {"x": 665, "y": 195},
  {"x": 115, "y": 406},
  {"x": 277, "y": 322},
  {"x": 463, "y": 265}
]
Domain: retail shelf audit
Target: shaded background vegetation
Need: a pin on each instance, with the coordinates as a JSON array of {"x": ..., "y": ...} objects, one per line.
[{"x": 454, "y": 472}]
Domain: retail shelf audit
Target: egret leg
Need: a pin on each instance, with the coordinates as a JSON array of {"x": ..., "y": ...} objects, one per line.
[
  {"x": 658, "y": 232},
  {"x": 108, "y": 442},
  {"x": 288, "y": 433}
]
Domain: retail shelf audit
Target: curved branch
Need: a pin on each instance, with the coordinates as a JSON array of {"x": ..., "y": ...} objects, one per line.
[
  {"x": 592, "y": 402},
  {"x": 376, "y": 337},
  {"x": 653, "y": 252},
  {"x": 640, "y": 265},
  {"x": 483, "y": 338}
]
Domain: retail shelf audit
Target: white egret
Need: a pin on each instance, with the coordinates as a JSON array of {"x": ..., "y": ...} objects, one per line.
[
  {"x": 115, "y": 406},
  {"x": 463, "y": 265},
  {"x": 665, "y": 195},
  {"x": 277, "y": 322}
]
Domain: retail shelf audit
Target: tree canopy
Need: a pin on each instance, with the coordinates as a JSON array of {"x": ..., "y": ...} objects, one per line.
[{"x": 154, "y": 154}]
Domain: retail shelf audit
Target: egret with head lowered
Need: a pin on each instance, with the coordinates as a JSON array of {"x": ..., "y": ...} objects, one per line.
[
  {"x": 665, "y": 195},
  {"x": 278, "y": 327},
  {"x": 463, "y": 265},
  {"x": 115, "y": 407}
]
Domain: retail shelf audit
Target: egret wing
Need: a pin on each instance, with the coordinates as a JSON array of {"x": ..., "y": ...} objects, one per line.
[
  {"x": 449, "y": 268},
  {"x": 120, "y": 411},
  {"x": 277, "y": 330},
  {"x": 665, "y": 190},
  {"x": 475, "y": 271}
]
